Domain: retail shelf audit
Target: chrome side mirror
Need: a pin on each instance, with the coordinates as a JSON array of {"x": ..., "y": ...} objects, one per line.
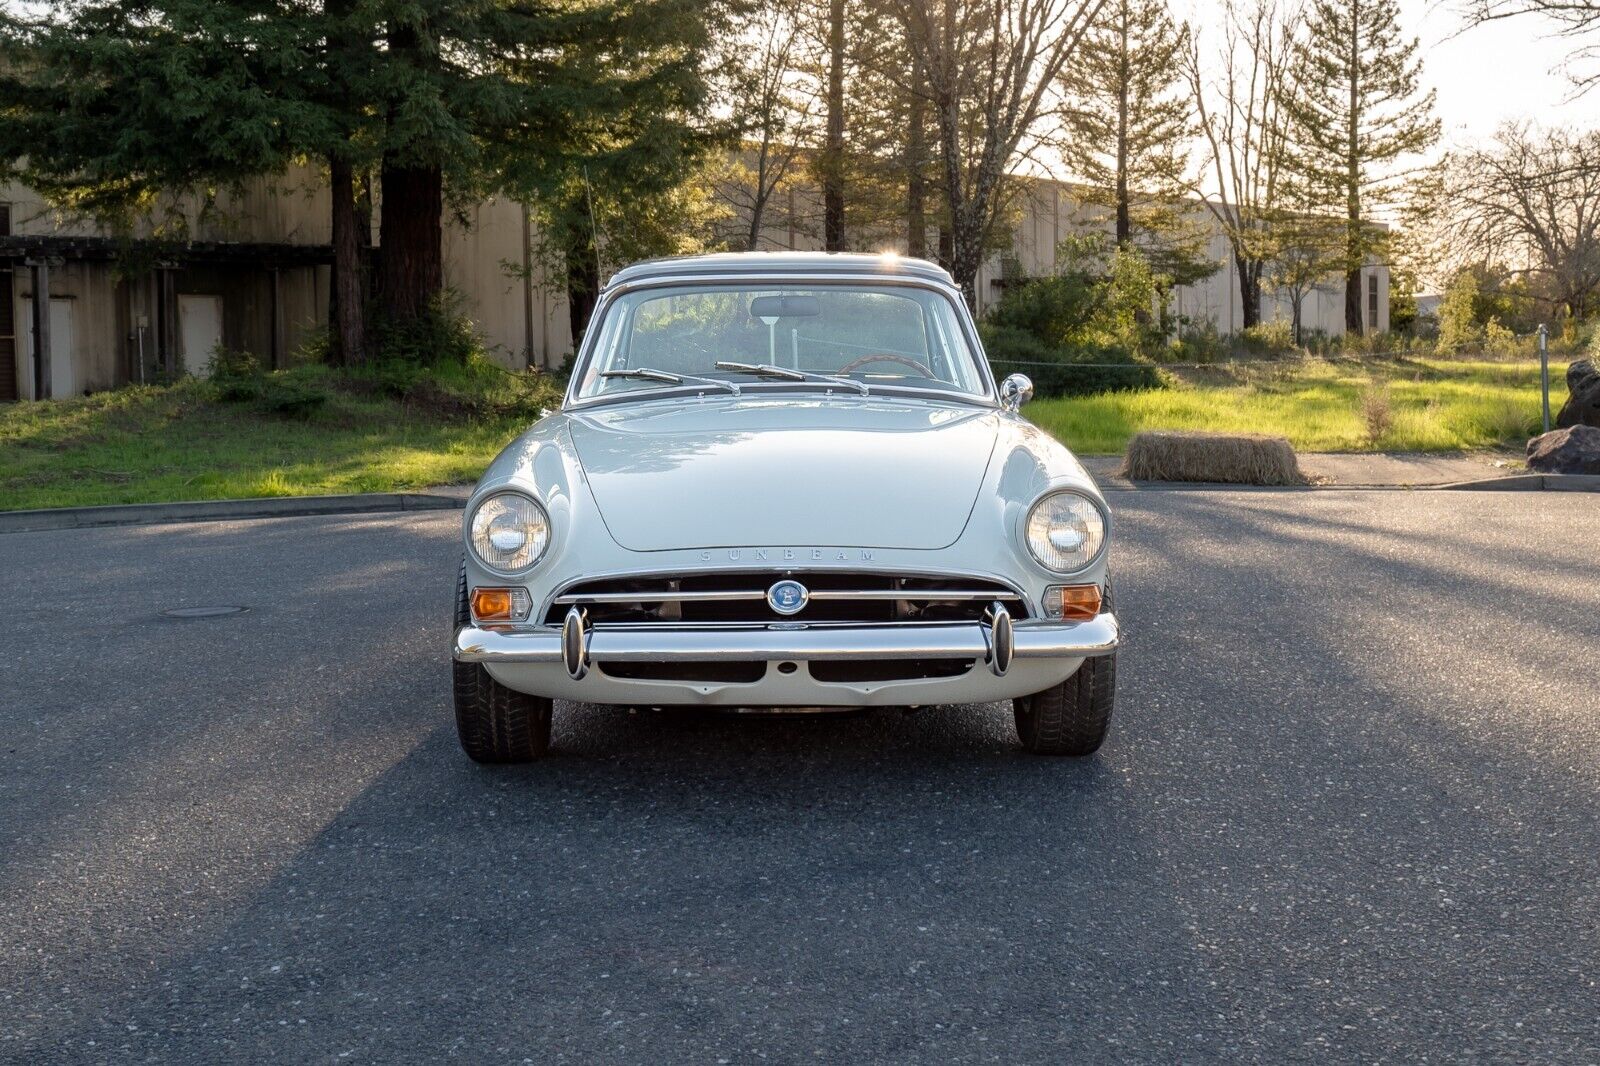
[{"x": 1015, "y": 391}]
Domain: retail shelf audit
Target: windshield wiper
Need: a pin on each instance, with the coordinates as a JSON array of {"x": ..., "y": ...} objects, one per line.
[
  {"x": 783, "y": 373},
  {"x": 645, "y": 373}
]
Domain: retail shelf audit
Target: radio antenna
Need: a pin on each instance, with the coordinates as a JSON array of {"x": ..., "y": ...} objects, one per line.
[{"x": 594, "y": 226}]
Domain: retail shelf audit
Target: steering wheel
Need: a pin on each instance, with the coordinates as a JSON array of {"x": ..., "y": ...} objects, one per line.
[{"x": 885, "y": 357}]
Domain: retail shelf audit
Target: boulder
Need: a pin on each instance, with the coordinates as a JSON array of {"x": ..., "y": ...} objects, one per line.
[
  {"x": 1583, "y": 402},
  {"x": 1574, "y": 450}
]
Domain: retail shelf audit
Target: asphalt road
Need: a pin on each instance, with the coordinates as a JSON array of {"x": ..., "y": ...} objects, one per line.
[{"x": 1348, "y": 811}]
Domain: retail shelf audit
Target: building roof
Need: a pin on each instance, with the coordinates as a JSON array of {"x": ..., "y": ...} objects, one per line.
[{"x": 805, "y": 263}]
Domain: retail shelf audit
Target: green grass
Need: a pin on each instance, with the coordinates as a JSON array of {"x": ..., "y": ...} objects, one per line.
[
  {"x": 181, "y": 442},
  {"x": 390, "y": 430},
  {"x": 1435, "y": 405}
]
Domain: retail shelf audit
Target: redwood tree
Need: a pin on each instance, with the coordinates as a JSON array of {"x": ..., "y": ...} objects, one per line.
[{"x": 112, "y": 107}]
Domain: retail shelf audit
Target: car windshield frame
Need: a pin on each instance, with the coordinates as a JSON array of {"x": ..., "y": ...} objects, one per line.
[{"x": 987, "y": 397}]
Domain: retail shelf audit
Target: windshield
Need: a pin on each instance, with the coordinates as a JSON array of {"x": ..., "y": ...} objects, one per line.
[{"x": 874, "y": 335}]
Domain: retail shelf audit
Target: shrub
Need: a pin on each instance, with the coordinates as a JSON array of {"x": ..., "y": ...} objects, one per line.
[
  {"x": 1497, "y": 340},
  {"x": 1123, "y": 318},
  {"x": 1054, "y": 310},
  {"x": 1098, "y": 310},
  {"x": 291, "y": 395},
  {"x": 441, "y": 335},
  {"x": 237, "y": 377},
  {"x": 1060, "y": 371},
  {"x": 315, "y": 347},
  {"x": 1275, "y": 337},
  {"x": 1458, "y": 322},
  {"x": 1197, "y": 344},
  {"x": 1377, "y": 412}
]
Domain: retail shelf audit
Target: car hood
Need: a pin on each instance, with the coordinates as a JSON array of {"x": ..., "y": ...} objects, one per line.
[{"x": 812, "y": 472}]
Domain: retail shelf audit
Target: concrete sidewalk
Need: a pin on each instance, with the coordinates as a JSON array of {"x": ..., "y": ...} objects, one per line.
[{"x": 1357, "y": 469}]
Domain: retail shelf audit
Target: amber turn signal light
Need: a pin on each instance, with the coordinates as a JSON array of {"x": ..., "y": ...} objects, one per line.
[
  {"x": 500, "y": 605},
  {"x": 1072, "y": 603}
]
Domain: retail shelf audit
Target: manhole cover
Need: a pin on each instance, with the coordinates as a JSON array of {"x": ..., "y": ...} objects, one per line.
[{"x": 202, "y": 612}]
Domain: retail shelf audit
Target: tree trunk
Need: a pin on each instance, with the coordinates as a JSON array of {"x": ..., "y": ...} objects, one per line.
[
  {"x": 833, "y": 175},
  {"x": 1249, "y": 292},
  {"x": 410, "y": 240},
  {"x": 1352, "y": 302},
  {"x": 1353, "y": 250},
  {"x": 364, "y": 216},
  {"x": 348, "y": 305},
  {"x": 1124, "y": 214},
  {"x": 758, "y": 204},
  {"x": 916, "y": 177},
  {"x": 966, "y": 256},
  {"x": 758, "y": 210},
  {"x": 583, "y": 272},
  {"x": 582, "y": 283}
]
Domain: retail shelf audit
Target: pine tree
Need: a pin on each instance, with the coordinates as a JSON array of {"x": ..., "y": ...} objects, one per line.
[
  {"x": 107, "y": 106},
  {"x": 1126, "y": 122},
  {"x": 1358, "y": 113}
]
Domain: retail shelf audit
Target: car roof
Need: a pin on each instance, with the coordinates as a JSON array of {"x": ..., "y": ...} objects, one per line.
[{"x": 820, "y": 264}]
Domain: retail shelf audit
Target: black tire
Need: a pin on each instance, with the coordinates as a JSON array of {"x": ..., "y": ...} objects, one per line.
[
  {"x": 1071, "y": 718},
  {"x": 495, "y": 724}
]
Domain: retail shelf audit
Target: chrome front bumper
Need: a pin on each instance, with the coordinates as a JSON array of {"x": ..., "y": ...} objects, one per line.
[{"x": 667, "y": 643}]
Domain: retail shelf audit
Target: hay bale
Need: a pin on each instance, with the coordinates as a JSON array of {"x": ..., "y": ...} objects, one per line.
[{"x": 1238, "y": 459}]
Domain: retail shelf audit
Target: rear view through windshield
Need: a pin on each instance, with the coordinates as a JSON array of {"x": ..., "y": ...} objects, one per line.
[{"x": 881, "y": 336}]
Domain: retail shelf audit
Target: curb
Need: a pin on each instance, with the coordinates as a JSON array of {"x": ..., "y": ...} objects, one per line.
[
  {"x": 1531, "y": 483},
  {"x": 138, "y": 514},
  {"x": 1510, "y": 483}
]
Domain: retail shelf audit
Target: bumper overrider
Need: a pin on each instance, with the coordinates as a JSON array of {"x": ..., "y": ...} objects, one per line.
[{"x": 1018, "y": 657}]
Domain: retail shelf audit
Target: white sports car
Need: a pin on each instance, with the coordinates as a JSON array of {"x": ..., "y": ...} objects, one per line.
[{"x": 784, "y": 480}]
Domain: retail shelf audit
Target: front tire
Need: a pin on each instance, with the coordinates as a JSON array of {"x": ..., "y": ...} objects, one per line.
[
  {"x": 495, "y": 724},
  {"x": 1070, "y": 718}
]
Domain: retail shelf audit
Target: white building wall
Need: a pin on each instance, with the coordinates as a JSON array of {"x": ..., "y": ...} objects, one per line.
[
  {"x": 489, "y": 264},
  {"x": 520, "y": 311},
  {"x": 1047, "y": 212}
]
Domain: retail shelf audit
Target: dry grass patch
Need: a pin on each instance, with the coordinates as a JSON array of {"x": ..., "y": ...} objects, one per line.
[{"x": 1235, "y": 459}]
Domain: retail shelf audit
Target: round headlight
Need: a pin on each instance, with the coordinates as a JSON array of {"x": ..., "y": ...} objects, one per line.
[
  {"x": 509, "y": 532},
  {"x": 1065, "y": 531}
]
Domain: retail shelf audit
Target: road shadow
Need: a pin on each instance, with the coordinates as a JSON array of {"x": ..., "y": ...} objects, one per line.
[{"x": 1316, "y": 833}]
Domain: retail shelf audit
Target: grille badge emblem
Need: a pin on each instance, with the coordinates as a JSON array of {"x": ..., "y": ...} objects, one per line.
[{"x": 788, "y": 597}]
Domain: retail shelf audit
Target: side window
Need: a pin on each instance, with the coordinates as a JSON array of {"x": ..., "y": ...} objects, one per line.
[{"x": 1372, "y": 301}]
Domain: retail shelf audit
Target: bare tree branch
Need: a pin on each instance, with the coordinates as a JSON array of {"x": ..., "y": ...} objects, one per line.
[{"x": 989, "y": 67}]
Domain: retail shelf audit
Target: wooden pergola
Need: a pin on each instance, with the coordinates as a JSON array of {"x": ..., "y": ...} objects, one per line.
[{"x": 39, "y": 253}]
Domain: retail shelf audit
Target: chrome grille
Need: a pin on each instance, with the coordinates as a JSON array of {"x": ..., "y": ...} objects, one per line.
[{"x": 846, "y": 597}]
